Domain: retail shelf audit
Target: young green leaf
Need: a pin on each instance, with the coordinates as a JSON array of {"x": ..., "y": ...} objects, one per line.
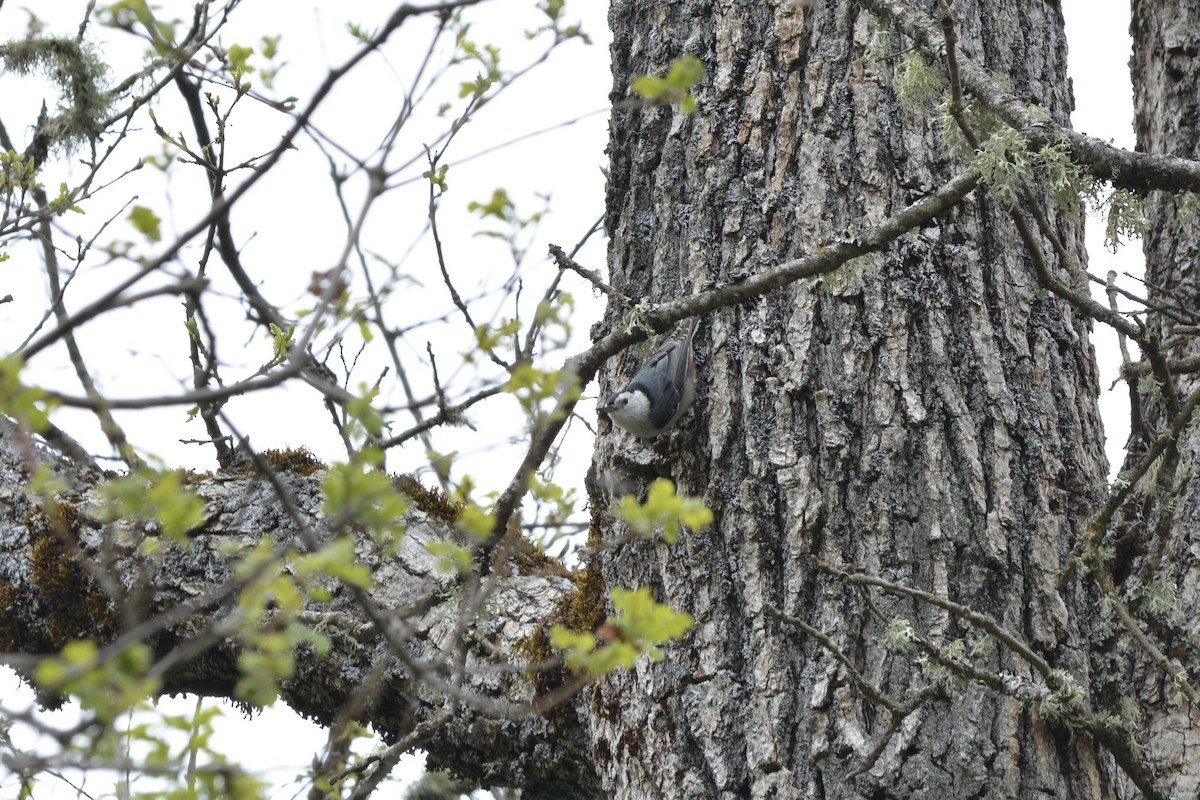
[
  {"x": 675, "y": 88},
  {"x": 146, "y": 222},
  {"x": 664, "y": 512},
  {"x": 156, "y": 497}
]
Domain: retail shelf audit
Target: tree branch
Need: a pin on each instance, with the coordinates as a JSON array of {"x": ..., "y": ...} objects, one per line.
[
  {"x": 191, "y": 592},
  {"x": 1140, "y": 172}
]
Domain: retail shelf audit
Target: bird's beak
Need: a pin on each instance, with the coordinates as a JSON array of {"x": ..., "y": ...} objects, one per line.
[{"x": 605, "y": 407}]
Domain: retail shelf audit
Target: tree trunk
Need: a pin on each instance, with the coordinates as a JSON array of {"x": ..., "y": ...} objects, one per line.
[
  {"x": 927, "y": 417},
  {"x": 1155, "y": 538}
]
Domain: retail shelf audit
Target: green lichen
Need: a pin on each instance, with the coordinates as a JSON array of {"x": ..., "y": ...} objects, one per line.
[{"x": 79, "y": 73}]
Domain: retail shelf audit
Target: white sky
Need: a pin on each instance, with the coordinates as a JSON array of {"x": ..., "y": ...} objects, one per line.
[{"x": 566, "y": 163}]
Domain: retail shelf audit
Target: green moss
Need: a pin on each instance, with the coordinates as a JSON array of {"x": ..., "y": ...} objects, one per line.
[
  {"x": 60, "y": 602},
  {"x": 581, "y": 610},
  {"x": 14, "y": 635},
  {"x": 293, "y": 459},
  {"x": 516, "y": 553},
  {"x": 586, "y": 609},
  {"x": 433, "y": 503},
  {"x": 525, "y": 557},
  {"x": 66, "y": 594}
]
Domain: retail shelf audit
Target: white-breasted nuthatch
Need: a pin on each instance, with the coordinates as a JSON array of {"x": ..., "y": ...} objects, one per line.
[{"x": 663, "y": 388}]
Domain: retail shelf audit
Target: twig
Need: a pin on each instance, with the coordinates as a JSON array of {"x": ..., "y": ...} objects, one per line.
[
  {"x": 865, "y": 686},
  {"x": 1131, "y": 760},
  {"x": 441, "y": 260},
  {"x": 386, "y": 761},
  {"x": 398, "y": 18},
  {"x": 1124, "y": 485},
  {"x": 445, "y": 415},
  {"x": 108, "y": 424},
  {"x": 591, "y": 276},
  {"x": 1138, "y": 424}
]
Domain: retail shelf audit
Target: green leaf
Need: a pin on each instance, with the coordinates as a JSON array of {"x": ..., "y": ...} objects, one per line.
[
  {"x": 686, "y": 72},
  {"x": 64, "y": 202},
  {"x": 270, "y": 46},
  {"x": 675, "y": 87},
  {"x": 489, "y": 338},
  {"x": 239, "y": 61},
  {"x": 438, "y": 178},
  {"x": 153, "y": 496},
  {"x": 582, "y": 653},
  {"x": 533, "y": 387},
  {"x": 646, "y": 622},
  {"x": 664, "y": 512},
  {"x": 638, "y": 627},
  {"x": 28, "y": 405},
  {"x": 359, "y": 492},
  {"x": 335, "y": 560},
  {"x": 281, "y": 341},
  {"x": 452, "y": 557},
  {"x": 567, "y": 639},
  {"x": 552, "y": 8},
  {"x": 475, "y": 522},
  {"x": 17, "y": 172},
  {"x": 499, "y": 206},
  {"x": 77, "y": 656},
  {"x": 474, "y": 88},
  {"x": 146, "y": 222},
  {"x": 110, "y": 687},
  {"x": 125, "y": 11},
  {"x": 364, "y": 330},
  {"x": 360, "y": 34}
]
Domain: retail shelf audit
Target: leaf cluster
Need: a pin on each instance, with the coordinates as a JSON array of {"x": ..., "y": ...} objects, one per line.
[
  {"x": 664, "y": 513},
  {"x": 639, "y": 626}
]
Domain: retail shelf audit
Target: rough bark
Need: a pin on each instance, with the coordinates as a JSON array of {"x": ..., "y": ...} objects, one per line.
[
  {"x": 1155, "y": 539},
  {"x": 59, "y": 578},
  {"x": 927, "y": 417}
]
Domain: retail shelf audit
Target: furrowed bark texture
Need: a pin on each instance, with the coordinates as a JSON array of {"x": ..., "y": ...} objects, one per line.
[
  {"x": 1159, "y": 534},
  {"x": 68, "y": 581},
  {"x": 927, "y": 416}
]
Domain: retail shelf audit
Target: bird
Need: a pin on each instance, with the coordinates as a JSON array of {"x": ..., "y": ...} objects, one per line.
[{"x": 663, "y": 388}]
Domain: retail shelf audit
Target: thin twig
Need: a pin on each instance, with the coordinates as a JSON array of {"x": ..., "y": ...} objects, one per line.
[{"x": 591, "y": 276}]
